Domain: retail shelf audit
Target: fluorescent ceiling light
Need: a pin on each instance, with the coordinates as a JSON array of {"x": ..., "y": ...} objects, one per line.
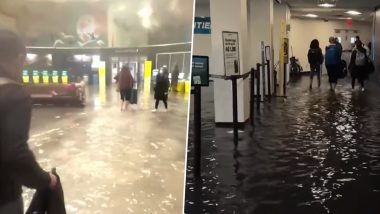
[
  {"x": 311, "y": 15},
  {"x": 328, "y": 5},
  {"x": 353, "y": 12}
]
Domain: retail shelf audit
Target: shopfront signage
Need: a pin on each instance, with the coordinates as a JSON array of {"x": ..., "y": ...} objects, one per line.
[
  {"x": 200, "y": 71},
  {"x": 202, "y": 25},
  {"x": 231, "y": 53}
]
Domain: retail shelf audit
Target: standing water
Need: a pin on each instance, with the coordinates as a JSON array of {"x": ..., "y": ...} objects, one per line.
[{"x": 317, "y": 152}]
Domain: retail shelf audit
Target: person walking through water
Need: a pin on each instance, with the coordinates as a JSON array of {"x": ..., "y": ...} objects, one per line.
[
  {"x": 161, "y": 89},
  {"x": 175, "y": 75},
  {"x": 315, "y": 58},
  {"x": 125, "y": 81},
  {"x": 333, "y": 62},
  {"x": 358, "y": 64},
  {"x": 18, "y": 165}
]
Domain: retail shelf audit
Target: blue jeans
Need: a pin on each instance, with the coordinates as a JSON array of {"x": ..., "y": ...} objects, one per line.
[{"x": 14, "y": 207}]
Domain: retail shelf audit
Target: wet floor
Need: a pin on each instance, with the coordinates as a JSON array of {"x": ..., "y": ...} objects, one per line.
[
  {"x": 315, "y": 153},
  {"x": 111, "y": 161}
]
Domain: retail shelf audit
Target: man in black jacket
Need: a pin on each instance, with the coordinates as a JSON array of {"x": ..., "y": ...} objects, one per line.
[{"x": 18, "y": 166}]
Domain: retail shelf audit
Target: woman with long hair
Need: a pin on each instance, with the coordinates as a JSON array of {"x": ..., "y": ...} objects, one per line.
[
  {"x": 315, "y": 58},
  {"x": 124, "y": 81}
]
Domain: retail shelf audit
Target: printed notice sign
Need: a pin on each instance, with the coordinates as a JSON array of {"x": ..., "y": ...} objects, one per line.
[
  {"x": 231, "y": 53},
  {"x": 200, "y": 71}
]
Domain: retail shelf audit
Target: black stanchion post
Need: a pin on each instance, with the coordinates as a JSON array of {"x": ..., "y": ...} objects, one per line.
[
  {"x": 269, "y": 80},
  {"x": 235, "y": 109},
  {"x": 285, "y": 79},
  {"x": 252, "y": 103},
  {"x": 258, "y": 95},
  {"x": 197, "y": 131},
  {"x": 274, "y": 82}
]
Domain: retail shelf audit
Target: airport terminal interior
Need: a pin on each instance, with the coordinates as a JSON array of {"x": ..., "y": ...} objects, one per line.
[
  {"x": 109, "y": 161},
  {"x": 298, "y": 149}
]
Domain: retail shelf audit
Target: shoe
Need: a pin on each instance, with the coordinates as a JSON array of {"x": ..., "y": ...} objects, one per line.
[
  {"x": 154, "y": 110},
  {"x": 363, "y": 89},
  {"x": 165, "y": 110}
]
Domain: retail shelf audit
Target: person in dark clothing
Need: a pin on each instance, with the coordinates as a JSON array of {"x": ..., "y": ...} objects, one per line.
[
  {"x": 175, "y": 75},
  {"x": 315, "y": 58},
  {"x": 333, "y": 62},
  {"x": 370, "y": 48},
  {"x": 125, "y": 81},
  {"x": 339, "y": 45},
  {"x": 358, "y": 64},
  {"x": 18, "y": 166},
  {"x": 162, "y": 88}
]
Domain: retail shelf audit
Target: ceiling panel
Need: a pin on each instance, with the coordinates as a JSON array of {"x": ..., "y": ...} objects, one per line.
[{"x": 300, "y": 8}]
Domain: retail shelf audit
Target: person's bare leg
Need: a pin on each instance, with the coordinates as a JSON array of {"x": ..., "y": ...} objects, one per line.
[
  {"x": 126, "y": 105},
  {"x": 122, "y": 105}
]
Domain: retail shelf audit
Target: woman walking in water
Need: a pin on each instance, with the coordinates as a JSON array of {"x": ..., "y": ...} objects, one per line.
[
  {"x": 162, "y": 89},
  {"x": 358, "y": 64},
  {"x": 315, "y": 58},
  {"x": 124, "y": 82},
  {"x": 333, "y": 62}
]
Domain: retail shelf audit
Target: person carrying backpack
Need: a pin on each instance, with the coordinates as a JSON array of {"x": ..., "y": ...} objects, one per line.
[
  {"x": 315, "y": 58},
  {"x": 333, "y": 62},
  {"x": 358, "y": 64}
]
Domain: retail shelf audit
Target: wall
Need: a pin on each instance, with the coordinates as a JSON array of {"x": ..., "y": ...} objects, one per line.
[
  {"x": 202, "y": 42},
  {"x": 170, "y": 22},
  {"x": 7, "y": 22},
  {"x": 304, "y": 30}
]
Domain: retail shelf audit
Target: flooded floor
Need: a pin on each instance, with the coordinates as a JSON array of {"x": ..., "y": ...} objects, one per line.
[
  {"x": 111, "y": 161},
  {"x": 318, "y": 152}
]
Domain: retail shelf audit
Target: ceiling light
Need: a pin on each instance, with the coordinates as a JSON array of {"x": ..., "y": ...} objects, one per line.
[
  {"x": 353, "y": 12},
  {"x": 311, "y": 15},
  {"x": 327, "y": 3}
]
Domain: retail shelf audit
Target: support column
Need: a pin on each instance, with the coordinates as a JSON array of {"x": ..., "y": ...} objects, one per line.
[
  {"x": 261, "y": 30},
  {"x": 281, "y": 15},
  {"x": 227, "y": 15}
]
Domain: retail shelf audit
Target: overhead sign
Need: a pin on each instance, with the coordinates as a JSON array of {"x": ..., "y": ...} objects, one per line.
[
  {"x": 231, "y": 53},
  {"x": 202, "y": 25},
  {"x": 200, "y": 71}
]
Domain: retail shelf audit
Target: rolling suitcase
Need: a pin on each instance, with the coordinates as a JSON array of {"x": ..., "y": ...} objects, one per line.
[{"x": 134, "y": 96}]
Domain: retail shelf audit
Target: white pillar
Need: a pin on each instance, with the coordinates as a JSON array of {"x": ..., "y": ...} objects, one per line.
[
  {"x": 228, "y": 15},
  {"x": 261, "y": 30}
]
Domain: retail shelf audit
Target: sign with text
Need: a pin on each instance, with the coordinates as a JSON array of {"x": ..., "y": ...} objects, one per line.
[
  {"x": 285, "y": 46},
  {"x": 200, "y": 71},
  {"x": 202, "y": 25},
  {"x": 231, "y": 53}
]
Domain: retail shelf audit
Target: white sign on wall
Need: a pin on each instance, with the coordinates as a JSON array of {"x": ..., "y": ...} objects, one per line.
[{"x": 231, "y": 53}]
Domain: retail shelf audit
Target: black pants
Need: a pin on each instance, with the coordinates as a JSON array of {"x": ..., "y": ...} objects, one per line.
[
  {"x": 165, "y": 100},
  {"x": 333, "y": 72},
  {"x": 361, "y": 81}
]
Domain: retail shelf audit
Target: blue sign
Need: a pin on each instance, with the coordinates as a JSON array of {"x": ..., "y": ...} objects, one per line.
[
  {"x": 202, "y": 25},
  {"x": 200, "y": 71}
]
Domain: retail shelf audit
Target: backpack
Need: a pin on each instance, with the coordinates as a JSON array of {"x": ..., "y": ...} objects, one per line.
[
  {"x": 332, "y": 55},
  {"x": 361, "y": 58},
  {"x": 314, "y": 56}
]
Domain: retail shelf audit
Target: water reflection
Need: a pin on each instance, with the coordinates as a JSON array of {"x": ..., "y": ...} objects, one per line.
[{"x": 315, "y": 153}]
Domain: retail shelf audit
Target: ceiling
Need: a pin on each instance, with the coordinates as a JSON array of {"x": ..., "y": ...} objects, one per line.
[{"x": 300, "y": 8}]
